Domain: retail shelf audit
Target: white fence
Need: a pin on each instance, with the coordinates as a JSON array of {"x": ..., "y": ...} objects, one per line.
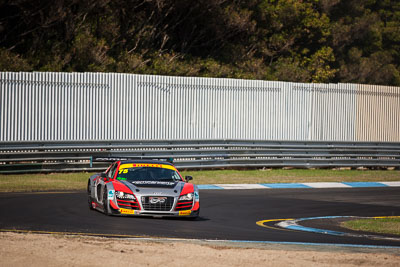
[{"x": 108, "y": 106}]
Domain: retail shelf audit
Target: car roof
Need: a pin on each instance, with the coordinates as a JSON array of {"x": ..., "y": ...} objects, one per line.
[{"x": 149, "y": 161}]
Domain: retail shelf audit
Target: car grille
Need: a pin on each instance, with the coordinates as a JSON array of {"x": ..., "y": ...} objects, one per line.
[
  {"x": 157, "y": 203},
  {"x": 184, "y": 205},
  {"x": 126, "y": 204}
]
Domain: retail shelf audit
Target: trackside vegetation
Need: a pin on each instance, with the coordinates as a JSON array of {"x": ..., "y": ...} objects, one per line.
[
  {"x": 78, "y": 181},
  {"x": 375, "y": 225},
  {"x": 347, "y": 41}
]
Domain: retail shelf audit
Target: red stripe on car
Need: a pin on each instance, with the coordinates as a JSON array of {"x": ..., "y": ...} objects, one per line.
[
  {"x": 188, "y": 188},
  {"x": 134, "y": 202},
  {"x": 113, "y": 205},
  {"x": 135, "y": 206},
  {"x": 196, "y": 206},
  {"x": 185, "y": 203},
  {"x": 118, "y": 186}
]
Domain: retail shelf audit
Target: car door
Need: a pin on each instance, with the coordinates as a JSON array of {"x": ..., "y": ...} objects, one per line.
[{"x": 103, "y": 179}]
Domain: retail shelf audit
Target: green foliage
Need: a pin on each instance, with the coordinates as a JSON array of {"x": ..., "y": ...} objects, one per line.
[
  {"x": 12, "y": 62},
  {"x": 318, "y": 65},
  {"x": 303, "y": 41}
]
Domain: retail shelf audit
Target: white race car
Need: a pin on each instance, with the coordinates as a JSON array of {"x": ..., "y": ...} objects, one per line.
[{"x": 143, "y": 188}]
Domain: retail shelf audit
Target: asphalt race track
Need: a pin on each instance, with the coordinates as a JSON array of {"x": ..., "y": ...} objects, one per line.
[{"x": 225, "y": 214}]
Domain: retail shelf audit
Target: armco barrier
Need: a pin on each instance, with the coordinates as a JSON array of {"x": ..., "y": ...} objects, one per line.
[{"x": 67, "y": 156}]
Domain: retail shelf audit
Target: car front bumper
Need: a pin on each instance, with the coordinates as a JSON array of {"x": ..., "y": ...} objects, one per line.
[{"x": 181, "y": 213}]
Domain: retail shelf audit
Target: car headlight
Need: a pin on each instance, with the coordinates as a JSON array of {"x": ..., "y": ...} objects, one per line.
[
  {"x": 186, "y": 197},
  {"x": 123, "y": 195}
]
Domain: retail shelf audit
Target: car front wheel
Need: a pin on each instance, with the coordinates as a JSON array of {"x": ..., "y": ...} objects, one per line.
[
  {"x": 105, "y": 204},
  {"x": 89, "y": 192}
]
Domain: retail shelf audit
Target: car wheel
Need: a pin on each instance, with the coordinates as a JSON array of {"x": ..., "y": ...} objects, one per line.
[
  {"x": 105, "y": 206},
  {"x": 89, "y": 192},
  {"x": 195, "y": 215}
]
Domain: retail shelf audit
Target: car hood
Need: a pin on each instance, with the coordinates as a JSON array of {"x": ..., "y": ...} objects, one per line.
[{"x": 154, "y": 184}]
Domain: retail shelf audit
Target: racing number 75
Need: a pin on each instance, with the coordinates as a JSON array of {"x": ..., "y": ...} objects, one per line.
[{"x": 123, "y": 171}]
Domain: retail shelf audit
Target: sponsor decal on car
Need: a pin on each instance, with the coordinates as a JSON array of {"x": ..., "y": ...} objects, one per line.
[
  {"x": 110, "y": 194},
  {"x": 126, "y": 211},
  {"x": 185, "y": 212},
  {"x": 153, "y": 183},
  {"x": 156, "y": 200},
  {"x": 196, "y": 196},
  {"x": 139, "y": 165}
]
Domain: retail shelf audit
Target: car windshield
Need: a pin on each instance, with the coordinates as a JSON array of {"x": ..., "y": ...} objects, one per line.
[{"x": 136, "y": 174}]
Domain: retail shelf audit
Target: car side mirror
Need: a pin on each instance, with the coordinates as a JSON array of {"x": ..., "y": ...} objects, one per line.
[
  {"x": 188, "y": 178},
  {"x": 104, "y": 177}
]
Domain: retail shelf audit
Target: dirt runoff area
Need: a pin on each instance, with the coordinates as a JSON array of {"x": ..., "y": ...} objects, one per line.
[{"x": 27, "y": 249}]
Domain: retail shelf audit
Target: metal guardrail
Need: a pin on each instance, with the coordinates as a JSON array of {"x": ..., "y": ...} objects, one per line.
[{"x": 68, "y": 156}]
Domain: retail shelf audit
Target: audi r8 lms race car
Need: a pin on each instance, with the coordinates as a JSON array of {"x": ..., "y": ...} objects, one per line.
[{"x": 143, "y": 188}]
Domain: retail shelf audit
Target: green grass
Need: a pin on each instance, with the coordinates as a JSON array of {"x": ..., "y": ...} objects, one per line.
[
  {"x": 290, "y": 176},
  {"x": 43, "y": 182},
  {"x": 376, "y": 225},
  {"x": 78, "y": 181}
]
